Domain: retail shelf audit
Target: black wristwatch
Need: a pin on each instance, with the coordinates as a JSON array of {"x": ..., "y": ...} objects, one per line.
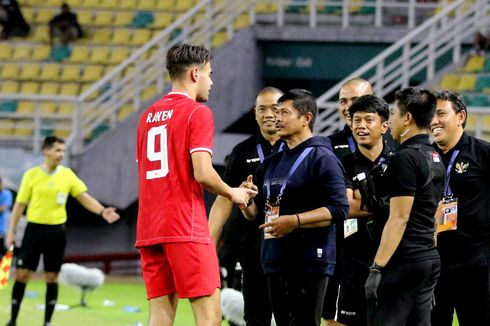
[{"x": 376, "y": 268}]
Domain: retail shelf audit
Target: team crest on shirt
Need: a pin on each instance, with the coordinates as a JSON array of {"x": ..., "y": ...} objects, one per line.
[{"x": 461, "y": 167}]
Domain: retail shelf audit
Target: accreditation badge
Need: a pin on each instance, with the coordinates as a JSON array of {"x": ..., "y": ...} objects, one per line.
[
  {"x": 350, "y": 227},
  {"x": 447, "y": 214},
  {"x": 271, "y": 213}
]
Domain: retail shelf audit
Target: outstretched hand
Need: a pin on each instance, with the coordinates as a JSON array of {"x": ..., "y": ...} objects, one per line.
[{"x": 109, "y": 214}]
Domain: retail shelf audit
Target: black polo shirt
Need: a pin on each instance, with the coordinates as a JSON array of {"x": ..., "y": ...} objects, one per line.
[
  {"x": 243, "y": 161},
  {"x": 343, "y": 143},
  {"x": 362, "y": 245},
  {"x": 470, "y": 183},
  {"x": 408, "y": 173}
]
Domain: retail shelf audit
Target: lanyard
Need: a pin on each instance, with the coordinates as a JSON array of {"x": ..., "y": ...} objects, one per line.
[
  {"x": 261, "y": 152},
  {"x": 447, "y": 189},
  {"x": 352, "y": 144},
  {"x": 293, "y": 168}
]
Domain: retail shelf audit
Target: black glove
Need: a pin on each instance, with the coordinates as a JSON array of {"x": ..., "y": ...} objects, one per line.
[{"x": 372, "y": 283}]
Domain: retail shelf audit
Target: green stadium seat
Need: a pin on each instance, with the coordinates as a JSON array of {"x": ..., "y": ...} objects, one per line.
[
  {"x": 478, "y": 100},
  {"x": 8, "y": 107},
  {"x": 60, "y": 53},
  {"x": 142, "y": 19},
  {"x": 482, "y": 83}
]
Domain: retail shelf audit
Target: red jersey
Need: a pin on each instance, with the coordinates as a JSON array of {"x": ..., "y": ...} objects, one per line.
[{"x": 171, "y": 203}]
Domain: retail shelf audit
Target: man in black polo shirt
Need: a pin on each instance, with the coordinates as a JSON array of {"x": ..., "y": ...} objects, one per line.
[
  {"x": 369, "y": 123},
  {"x": 401, "y": 281},
  {"x": 465, "y": 250},
  {"x": 242, "y": 162}
]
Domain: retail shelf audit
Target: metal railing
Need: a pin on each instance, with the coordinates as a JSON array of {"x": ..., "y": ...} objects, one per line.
[{"x": 416, "y": 53}]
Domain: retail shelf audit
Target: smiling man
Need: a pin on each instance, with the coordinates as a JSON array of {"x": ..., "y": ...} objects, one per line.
[
  {"x": 465, "y": 251},
  {"x": 369, "y": 123}
]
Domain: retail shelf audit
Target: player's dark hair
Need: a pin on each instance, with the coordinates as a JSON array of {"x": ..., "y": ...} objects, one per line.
[
  {"x": 303, "y": 101},
  {"x": 456, "y": 99},
  {"x": 49, "y": 142},
  {"x": 420, "y": 102},
  {"x": 370, "y": 104},
  {"x": 182, "y": 56}
]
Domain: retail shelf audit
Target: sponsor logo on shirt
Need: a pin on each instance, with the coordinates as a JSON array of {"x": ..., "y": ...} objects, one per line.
[
  {"x": 341, "y": 146},
  {"x": 461, "y": 167},
  {"x": 253, "y": 160}
]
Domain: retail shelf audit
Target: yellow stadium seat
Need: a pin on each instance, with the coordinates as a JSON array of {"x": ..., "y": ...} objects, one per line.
[
  {"x": 65, "y": 109},
  {"x": 218, "y": 39},
  {"x": 109, "y": 4},
  {"x": 466, "y": 83},
  {"x": 29, "y": 88},
  {"x": 102, "y": 36},
  {"x": 63, "y": 133},
  {"x": 9, "y": 87},
  {"x": 43, "y": 16},
  {"x": 92, "y": 73},
  {"x": 99, "y": 55},
  {"x": 70, "y": 73},
  {"x": 5, "y": 51},
  {"x": 122, "y": 36},
  {"x": 242, "y": 21},
  {"x": 50, "y": 72},
  {"x": 48, "y": 108},
  {"x": 91, "y": 3},
  {"x": 85, "y": 17},
  {"x": 10, "y": 71},
  {"x": 22, "y": 52},
  {"x": 141, "y": 36},
  {"x": 30, "y": 71},
  {"x": 162, "y": 20},
  {"x": 92, "y": 95},
  {"x": 118, "y": 55},
  {"x": 28, "y": 13},
  {"x": 124, "y": 111},
  {"x": 184, "y": 5},
  {"x": 475, "y": 63},
  {"x": 26, "y": 107},
  {"x": 49, "y": 88},
  {"x": 103, "y": 18},
  {"x": 6, "y": 127},
  {"x": 79, "y": 54},
  {"x": 449, "y": 81},
  {"x": 40, "y": 34},
  {"x": 123, "y": 18},
  {"x": 70, "y": 89},
  {"x": 23, "y": 128},
  {"x": 51, "y": 3},
  {"x": 146, "y": 4},
  {"x": 128, "y": 4},
  {"x": 470, "y": 122},
  {"x": 41, "y": 53},
  {"x": 265, "y": 8},
  {"x": 149, "y": 92},
  {"x": 165, "y": 5}
]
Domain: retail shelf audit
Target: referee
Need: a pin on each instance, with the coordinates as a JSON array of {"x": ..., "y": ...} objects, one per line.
[{"x": 45, "y": 189}]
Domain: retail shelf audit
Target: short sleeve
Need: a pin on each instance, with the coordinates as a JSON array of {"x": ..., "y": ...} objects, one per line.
[
  {"x": 402, "y": 173},
  {"x": 25, "y": 189},
  {"x": 231, "y": 167},
  {"x": 201, "y": 129},
  {"x": 77, "y": 186}
]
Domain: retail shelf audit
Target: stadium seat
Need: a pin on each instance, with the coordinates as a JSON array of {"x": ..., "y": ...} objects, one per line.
[
  {"x": 123, "y": 18},
  {"x": 28, "y": 13},
  {"x": 85, "y": 17},
  {"x": 79, "y": 54},
  {"x": 91, "y": 3},
  {"x": 63, "y": 133},
  {"x": 41, "y": 53},
  {"x": 92, "y": 73},
  {"x": 124, "y": 112},
  {"x": 5, "y": 51},
  {"x": 118, "y": 54},
  {"x": 48, "y": 108},
  {"x": 9, "y": 71},
  {"x": 29, "y": 71},
  {"x": 110, "y": 4},
  {"x": 103, "y": 18},
  {"x": 50, "y": 72},
  {"x": 43, "y": 16},
  {"x": 22, "y": 52},
  {"x": 449, "y": 81},
  {"x": 70, "y": 73},
  {"x": 128, "y": 4},
  {"x": 141, "y": 36},
  {"x": 162, "y": 20},
  {"x": 478, "y": 100},
  {"x": 466, "y": 82},
  {"x": 49, "y": 88},
  {"x": 102, "y": 36},
  {"x": 99, "y": 55},
  {"x": 40, "y": 33},
  {"x": 184, "y": 5},
  {"x": 482, "y": 83},
  {"x": 475, "y": 63},
  {"x": 60, "y": 53},
  {"x": 146, "y": 5},
  {"x": 165, "y": 5},
  {"x": 218, "y": 39},
  {"x": 470, "y": 122},
  {"x": 242, "y": 21},
  {"x": 6, "y": 127},
  {"x": 149, "y": 92},
  {"x": 70, "y": 89},
  {"x": 122, "y": 36},
  {"x": 65, "y": 109},
  {"x": 29, "y": 87},
  {"x": 8, "y": 107},
  {"x": 265, "y": 8},
  {"x": 26, "y": 107},
  {"x": 9, "y": 87},
  {"x": 142, "y": 19},
  {"x": 23, "y": 128}
]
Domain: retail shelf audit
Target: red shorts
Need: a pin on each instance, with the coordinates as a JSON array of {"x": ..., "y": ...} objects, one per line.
[{"x": 187, "y": 268}]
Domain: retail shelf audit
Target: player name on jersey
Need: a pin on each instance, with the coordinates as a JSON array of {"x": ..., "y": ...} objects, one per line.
[{"x": 159, "y": 116}]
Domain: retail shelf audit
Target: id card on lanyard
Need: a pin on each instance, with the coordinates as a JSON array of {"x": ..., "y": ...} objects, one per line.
[
  {"x": 447, "y": 210},
  {"x": 271, "y": 211}
]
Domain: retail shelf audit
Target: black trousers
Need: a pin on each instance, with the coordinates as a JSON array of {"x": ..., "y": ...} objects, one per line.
[
  {"x": 297, "y": 297},
  {"x": 466, "y": 289},
  {"x": 405, "y": 294},
  {"x": 258, "y": 311},
  {"x": 352, "y": 298}
]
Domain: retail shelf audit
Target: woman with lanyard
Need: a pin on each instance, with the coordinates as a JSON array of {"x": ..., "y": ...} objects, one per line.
[
  {"x": 463, "y": 240},
  {"x": 301, "y": 192}
]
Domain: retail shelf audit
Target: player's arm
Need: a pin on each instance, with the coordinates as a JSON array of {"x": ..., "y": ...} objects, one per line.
[
  {"x": 400, "y": 208},
  {"x": 354, "y": 198},
  {"x": 218, "y": 215},
  {"x": 17, "y": 212},
  {"x": 90, "y": 203},
  {"x": 207, "y": 176}
]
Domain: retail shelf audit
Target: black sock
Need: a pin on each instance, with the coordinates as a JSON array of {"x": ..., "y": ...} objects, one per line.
[
  {"x": 51, "y": 298},
  {"x": 17, "y": 296}
]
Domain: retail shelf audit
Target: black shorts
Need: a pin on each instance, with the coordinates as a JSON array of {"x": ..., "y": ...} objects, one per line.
[{"x": 48, "y": 240}]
